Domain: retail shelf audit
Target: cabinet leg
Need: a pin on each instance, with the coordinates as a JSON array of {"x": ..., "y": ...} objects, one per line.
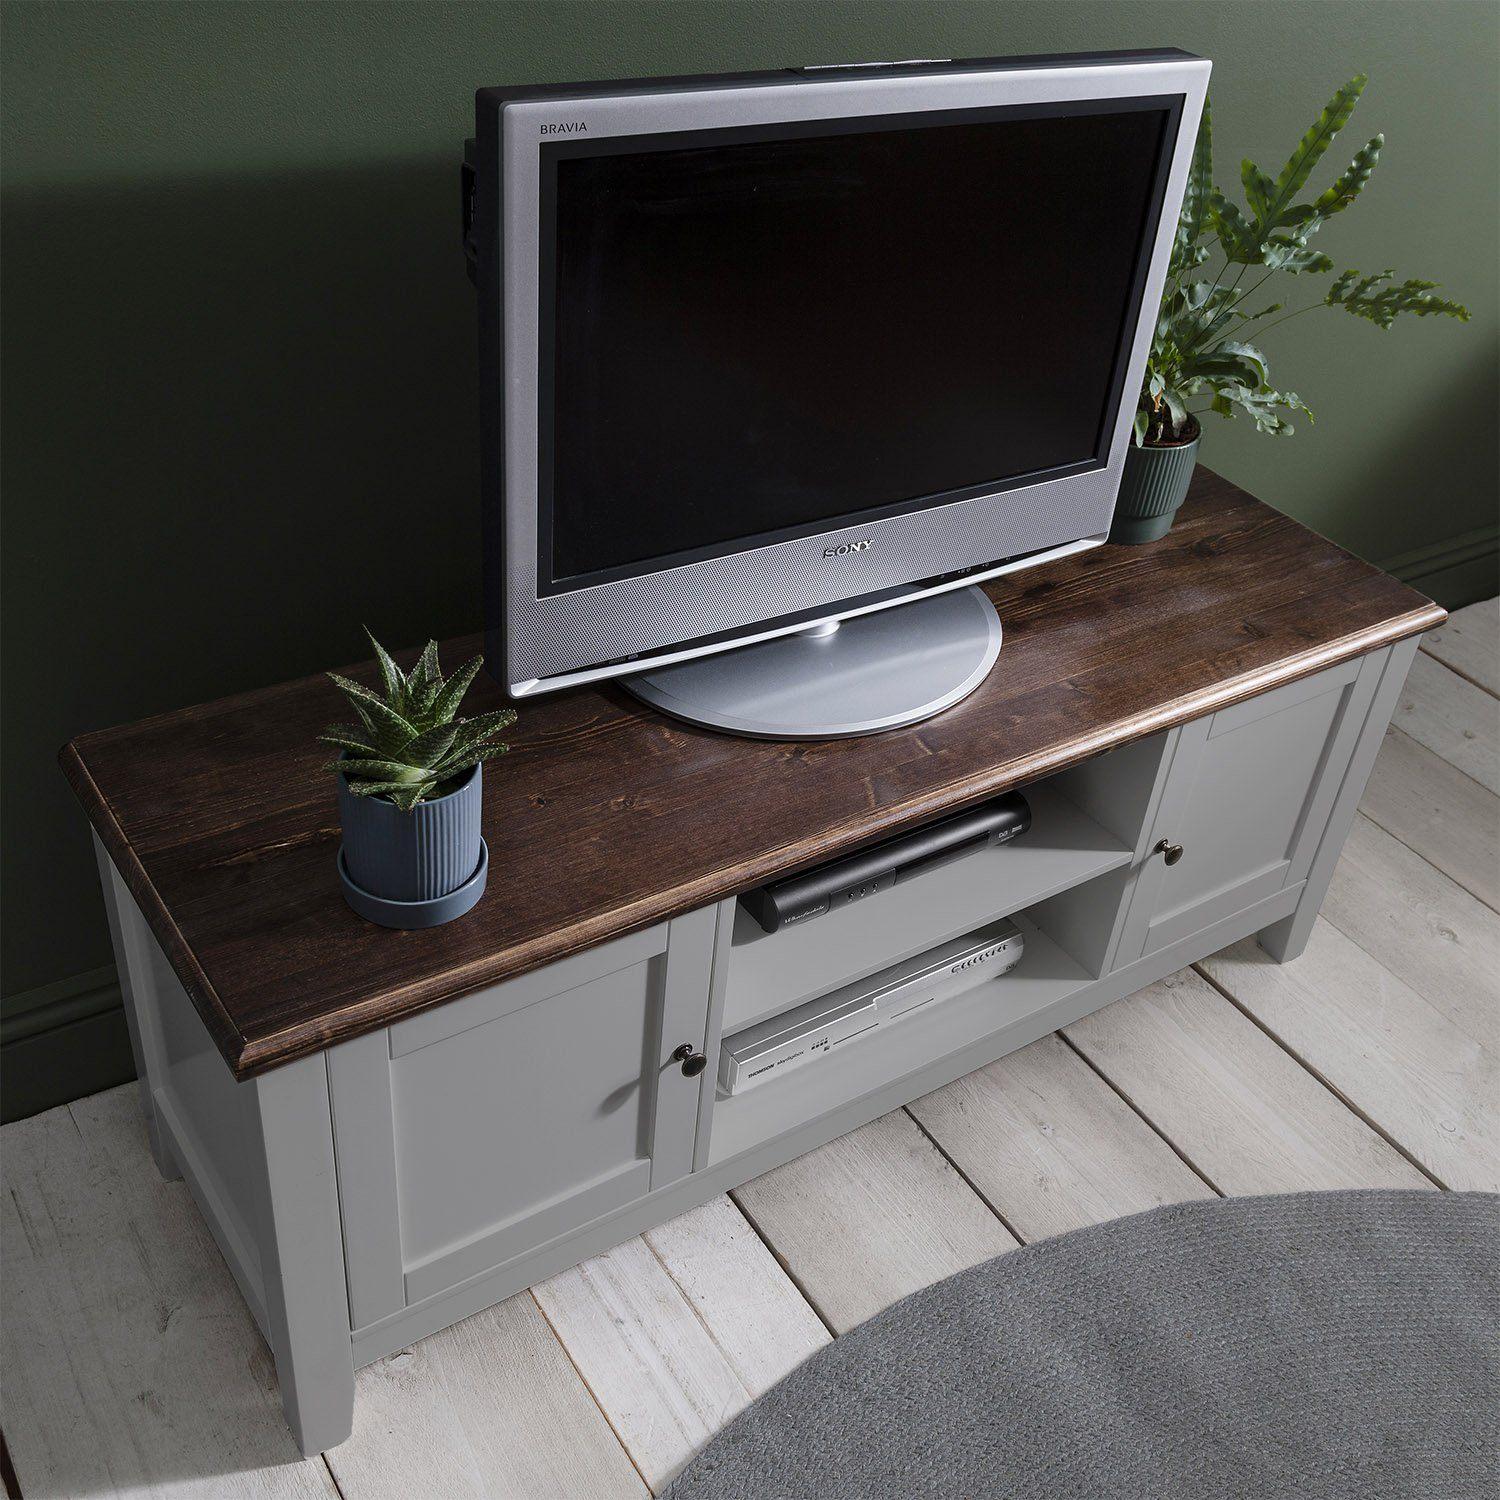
[
  {"x": 302, "y": 1253},
  {"x": 131, "y": 941},
  {"x": 1285, "y": 940}
]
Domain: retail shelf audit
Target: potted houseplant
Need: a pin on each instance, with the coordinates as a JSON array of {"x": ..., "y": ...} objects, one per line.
[
  {"x": 1202, "y": 359},
  {"x": 410, "y": 784}
]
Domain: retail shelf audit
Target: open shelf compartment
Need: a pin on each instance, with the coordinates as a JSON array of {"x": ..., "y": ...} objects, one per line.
[
  {"x": 770, "y": 972},
  {"x": 1045, "y": 975}
]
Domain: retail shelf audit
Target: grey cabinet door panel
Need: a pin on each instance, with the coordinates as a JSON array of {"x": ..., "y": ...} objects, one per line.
[
  {"x": 501, "y": 999},
  {"x": 1248, "y": 794},
  {"x": 473, "y": 1135},
  {"x": 529, "y": 1227}
]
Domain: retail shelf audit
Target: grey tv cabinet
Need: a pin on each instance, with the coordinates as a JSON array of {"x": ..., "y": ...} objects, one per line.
[{"x": 388, "y": 1132}]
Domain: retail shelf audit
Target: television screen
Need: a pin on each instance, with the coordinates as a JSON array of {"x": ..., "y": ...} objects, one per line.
[{"x": 749, "y": 334}]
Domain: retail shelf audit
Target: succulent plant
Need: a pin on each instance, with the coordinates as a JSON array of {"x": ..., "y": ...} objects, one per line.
[{"x": 410, "y": 744}]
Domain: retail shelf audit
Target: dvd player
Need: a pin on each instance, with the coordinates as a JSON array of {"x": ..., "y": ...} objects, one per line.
[
  {"x": 773, "y": 1048},
  {"x": 800, "y": 898}
]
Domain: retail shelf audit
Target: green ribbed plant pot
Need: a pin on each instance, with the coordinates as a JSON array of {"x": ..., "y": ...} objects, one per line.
[{"x": 1152, "y": 489}]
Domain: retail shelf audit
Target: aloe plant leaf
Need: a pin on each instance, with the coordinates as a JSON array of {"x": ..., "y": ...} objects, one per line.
[
  {"x": 390, "y": 674},
  {"x": 407, "y": 797},
  {"x": 1318, "y": 138},
  {"x": 429, "y": 747},
  {"x": 445, "y": 705},
  {"x": 367, "y": 721},
  {"x": 426, "y": 669},
  {"x": 347, "y": 737},
  {"x": 472, "y": 757},
  {"x": 475, "y": 731},
  {"x": 375, "y": 788},
  {"x": 388, "y": 771},
  {"x": 390, "y": 729},
  {"x": 426, "y": 679}
]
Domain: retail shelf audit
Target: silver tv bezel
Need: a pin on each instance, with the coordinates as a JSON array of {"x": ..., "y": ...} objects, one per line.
[{"x": 561, "y": 639}]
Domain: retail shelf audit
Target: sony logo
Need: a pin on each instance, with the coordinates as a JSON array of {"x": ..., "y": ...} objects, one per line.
[
  {"x": 565, "y": 127},
  {"x": 847, "y": 548}
]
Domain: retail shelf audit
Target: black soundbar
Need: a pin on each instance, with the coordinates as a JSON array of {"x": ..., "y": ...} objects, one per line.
[{"x": 800, "y": 898}]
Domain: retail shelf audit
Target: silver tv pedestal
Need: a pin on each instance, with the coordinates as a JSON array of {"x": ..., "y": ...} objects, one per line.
[{"x": 856, "y": 676}]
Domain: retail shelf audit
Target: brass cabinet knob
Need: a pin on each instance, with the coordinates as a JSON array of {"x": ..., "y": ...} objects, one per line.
[
  {"x": 1169, "y": 851},
  {"x": 693, "y": 1063}
]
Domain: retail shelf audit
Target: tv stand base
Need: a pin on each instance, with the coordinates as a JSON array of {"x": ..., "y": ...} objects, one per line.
[{"x": 868, "y": 673}]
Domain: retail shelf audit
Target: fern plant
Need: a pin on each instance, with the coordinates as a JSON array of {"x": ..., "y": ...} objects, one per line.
[
  {"x": 410, "y": 745},
  {"x": 1200, "y": 346}
]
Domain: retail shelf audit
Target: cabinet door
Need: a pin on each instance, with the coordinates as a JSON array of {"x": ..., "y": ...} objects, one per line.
[
  {"x": 1247, "y": 797},
  {"x": 479, "y": 1131}
]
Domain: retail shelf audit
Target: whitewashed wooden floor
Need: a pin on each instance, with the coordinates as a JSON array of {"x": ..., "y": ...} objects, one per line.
[{"x": 132, "y": 1368}]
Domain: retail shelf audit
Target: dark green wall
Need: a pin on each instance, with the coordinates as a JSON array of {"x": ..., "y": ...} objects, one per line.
[{"x": 239, "y": 371}]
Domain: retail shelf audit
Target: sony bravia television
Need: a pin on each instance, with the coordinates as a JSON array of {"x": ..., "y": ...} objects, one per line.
[{"x": 776, "y": 367}]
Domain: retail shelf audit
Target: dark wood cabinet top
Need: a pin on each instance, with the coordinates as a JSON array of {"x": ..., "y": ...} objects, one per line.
[{"x": 607, "y": 817}]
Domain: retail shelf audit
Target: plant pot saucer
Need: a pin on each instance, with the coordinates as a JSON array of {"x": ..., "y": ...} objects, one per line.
[{"x": 410, "y": 915}]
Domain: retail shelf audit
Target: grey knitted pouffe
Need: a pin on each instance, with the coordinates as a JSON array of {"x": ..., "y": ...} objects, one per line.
[{"x": 1312, "y": 1345}]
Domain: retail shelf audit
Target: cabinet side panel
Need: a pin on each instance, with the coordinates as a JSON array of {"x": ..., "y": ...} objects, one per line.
[
  {"x": 1285, "y": 939},
  {"x": 199, "y": 1113}
]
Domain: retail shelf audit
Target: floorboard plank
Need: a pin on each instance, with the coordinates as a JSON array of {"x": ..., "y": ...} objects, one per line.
[
  {"x": 1421, "y": 926},
  {"x": 1439, "y": 812},
  {"x": 1050, "y": 1146},
  {"x": 490, "y": 1409},
  {"x": 1247, "y": 1115},
  {"x": 870, "y": 1217},
  {"x": 670, "y": 1366},
  {"x": 1469, "y": 643},
  {"x": 1453, "y": 718},
  {"x": 739, "y": 1291},
  {"x": 143, "y": 1371},
  {"x": 1400, "y": 1061}
]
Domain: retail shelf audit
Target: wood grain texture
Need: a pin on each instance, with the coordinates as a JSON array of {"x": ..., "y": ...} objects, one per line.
[
  {"x": 1453, "y": 718},
  {"x": 1470, "y": 644},
  {"x": 1398, "y": 1059},
  {"x": 1439, "y": 812},
  {"x": 490, "y": 1409},
  {"x": 1422, "y": 926},
  {"x": 1050, "y": 1146},
  {"x": 869, "y": 1217},
  {"x": 668, "y": 1347},
  {"x": 133, "y": 1368},
  {"x": 739, "y": 1291},
  {"x": 607, "y": 817},
  {"x": 1247, "y": 1115}
]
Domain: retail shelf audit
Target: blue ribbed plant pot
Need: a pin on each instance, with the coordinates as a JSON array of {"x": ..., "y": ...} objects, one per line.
[
  {"x": 413, "y": 859},
  {"x": 1152, "y": 489}
]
